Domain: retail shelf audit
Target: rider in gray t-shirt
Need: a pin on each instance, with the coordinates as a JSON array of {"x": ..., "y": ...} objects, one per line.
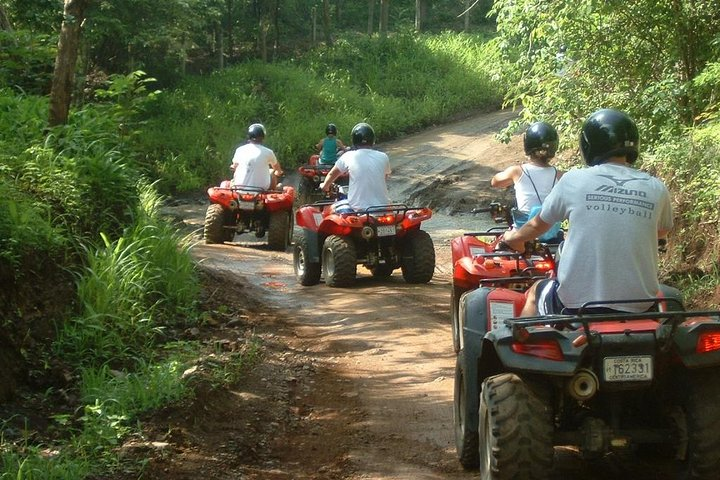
[{"x": 616, "y": 216}]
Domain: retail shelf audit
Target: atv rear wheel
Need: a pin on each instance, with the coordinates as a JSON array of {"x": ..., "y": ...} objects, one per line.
[
  {"x": 307, "y": 272},
  {"x": 339, "y": 261},
  {"x": 464, "y": 408},
  {"x": 455, "y": 317},
  {"x": 515, "y": 429},
  {"x": 216, "y": 218},
  {"x": 702, "y": 414},
  {"x": 279, "y": 230},
  {"x": 418, "y": 259},
  {"x": 305, "y": 191}
]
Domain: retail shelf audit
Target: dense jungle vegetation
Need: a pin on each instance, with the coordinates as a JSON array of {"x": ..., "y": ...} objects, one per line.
[{"x": 96, "y": 284}]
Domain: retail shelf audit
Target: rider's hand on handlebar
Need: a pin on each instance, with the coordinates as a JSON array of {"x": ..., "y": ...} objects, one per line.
[{"x": 505, "y": 243}]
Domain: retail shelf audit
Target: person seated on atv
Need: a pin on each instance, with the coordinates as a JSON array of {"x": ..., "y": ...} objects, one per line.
[
  {"x": 252, "y": 162},
  {"x": 368, "y": 170},
  {"x": 617, "y": 214},
  {"x": 534, "y": 179},
  {"x": 329, "y": 146}
]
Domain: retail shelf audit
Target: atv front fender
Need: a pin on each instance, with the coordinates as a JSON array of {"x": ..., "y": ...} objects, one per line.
[{"x": 313, "y": 245}]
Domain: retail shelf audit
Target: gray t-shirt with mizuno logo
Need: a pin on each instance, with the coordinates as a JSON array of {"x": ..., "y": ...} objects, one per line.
[{"x": 610, "y": 250}]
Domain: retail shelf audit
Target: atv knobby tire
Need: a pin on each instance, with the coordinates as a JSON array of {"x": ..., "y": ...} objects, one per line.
[
  {"x": 279, "y": 230},
  {"x": 515, "y": 429},
  {"x": 455, "y": 295},
  {"x": 466, "y": 435},
  {"x": 307, "y": 272},
  {"x": 702, "y": 414},
  {"x": 339, "y": 261},
  {"x": 306, "y": 191},
  {"x": 216, "y": 219},
  {"x": 418, "y": 258}
]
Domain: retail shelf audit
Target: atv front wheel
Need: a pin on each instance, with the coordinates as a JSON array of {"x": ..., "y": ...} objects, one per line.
[
  {"x": 307, "y": 272},
  {"x": 279, "y": 230},
  {"x": 465, "y": 408},
  {"x": 418, "y": 259},
  {"x": 455, "y": 309},
  {"x": 339, "y": 261},
  {"x": 702, "y": 414},
  {"x": 216, "y": 218},
  {"x": 515, "y": 429}
]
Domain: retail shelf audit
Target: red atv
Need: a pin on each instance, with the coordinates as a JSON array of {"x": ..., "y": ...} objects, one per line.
[
  {"x": 478, "y": 262},
  {"x": 238, "y": 209},
  {"x": 312, "y": 174},
  {"x": 381, "y": 238},
  {"x": 602, "y": 382}
]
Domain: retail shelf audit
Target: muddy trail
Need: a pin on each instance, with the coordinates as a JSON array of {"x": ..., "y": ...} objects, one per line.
[{"x": 352, "y": 383}]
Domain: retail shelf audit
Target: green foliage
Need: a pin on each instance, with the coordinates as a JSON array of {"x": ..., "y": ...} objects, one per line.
[
  {"x": 26, "y": 61},
  {"x": 638, "y": 56},
  {"x": 398, "y": 84}
]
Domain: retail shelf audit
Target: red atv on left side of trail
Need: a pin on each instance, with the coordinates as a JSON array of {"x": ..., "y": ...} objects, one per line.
[{"x": 236, "y": 209}]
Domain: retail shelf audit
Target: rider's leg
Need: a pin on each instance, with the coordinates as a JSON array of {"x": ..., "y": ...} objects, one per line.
[{"x": 530, "y": 308}]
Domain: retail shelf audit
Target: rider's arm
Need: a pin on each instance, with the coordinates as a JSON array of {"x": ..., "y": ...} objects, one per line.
[
  {"x": 506, "y": 178},
  {"x": 530, "y": 231},
  {"x": 332, "y": 175}
]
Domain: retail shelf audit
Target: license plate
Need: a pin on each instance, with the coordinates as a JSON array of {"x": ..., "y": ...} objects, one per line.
[
  {"x": 628, "y": 369},
  {"x": 246, "y": 205},
  {"x": 385, "y": 230}
]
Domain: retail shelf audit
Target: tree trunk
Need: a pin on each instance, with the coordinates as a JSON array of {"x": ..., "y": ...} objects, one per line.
[
  {"x": 384, "y": 16},
  {"x": 229, "y": 6},
  {"x": 466, "y": 17},
  {"x": 371, "y": 16},
  {"x": 314, "y": 26},
  {"x": 327, "y": 28},
  {"x": 420, "y": 11},
  {"x": 5, "y": 20},
  {"x": 262, "y": 38},
  {"x": 276, "y": 28},
  {"x": 220, "y": 47},
  {"x": 66, "y": 60}
]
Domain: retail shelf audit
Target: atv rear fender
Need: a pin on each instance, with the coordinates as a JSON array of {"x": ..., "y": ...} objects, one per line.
[{"x": 276, "y": 201}]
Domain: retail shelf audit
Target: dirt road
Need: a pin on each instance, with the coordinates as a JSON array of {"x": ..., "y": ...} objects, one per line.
[{"x": 356, "y": 383}]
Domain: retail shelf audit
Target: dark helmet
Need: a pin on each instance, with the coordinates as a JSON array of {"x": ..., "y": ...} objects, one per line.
[
  {"x": 541, "y": 136},
  {"x": 331, "y": 129},
  {"x": 256, "y": 131},
  {"x": 609, "y": 133},
  {"x": 362, "y": 134}
]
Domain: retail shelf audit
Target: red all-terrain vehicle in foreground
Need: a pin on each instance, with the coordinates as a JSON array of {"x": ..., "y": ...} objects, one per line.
[
  {"x": 381, "y": 238},
  {"x": 600, "y": 382},
  {"x": 477, "y": 262},
  {"x": 238, "y": 209}
]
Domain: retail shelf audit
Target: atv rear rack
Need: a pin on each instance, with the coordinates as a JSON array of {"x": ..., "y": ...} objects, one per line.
[{"x": 573, "y": 322}]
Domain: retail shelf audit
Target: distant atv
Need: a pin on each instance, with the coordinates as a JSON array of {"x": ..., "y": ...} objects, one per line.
[
  {"x": 381, "y": 238},
  {"x": 477, "y": 262},
  {"x": 312, "y": 174},
  {"x": 599, "y": 382},
  {"x": 239, "y": 209}
]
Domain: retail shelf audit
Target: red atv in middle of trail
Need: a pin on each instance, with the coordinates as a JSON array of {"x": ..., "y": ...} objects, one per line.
[
  {"x": 236, "y": 209},
  {"x": 381, "y": 238},
  {"x": 477, "y": 262},
  {"x": 312, "y": 174}
]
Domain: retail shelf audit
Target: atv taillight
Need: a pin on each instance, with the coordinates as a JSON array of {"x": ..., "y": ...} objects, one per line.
[
  {"x": 248, "y": 197},
  {"x": 708, "y": 342},
  {"x": 547, "y": 349},
  {"x": 388, "y": 219},
  {"x": 543, "y": 266}
]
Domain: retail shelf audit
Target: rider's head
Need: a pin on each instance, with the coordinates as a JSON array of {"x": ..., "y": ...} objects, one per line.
[
  {"x": 609, "y": 133},
  {"x": 541, "y": 141},
  {"x": 362, "y": 135},
  {"x": 256, "y": 132},
  {"x": 331, "y": 129}
]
